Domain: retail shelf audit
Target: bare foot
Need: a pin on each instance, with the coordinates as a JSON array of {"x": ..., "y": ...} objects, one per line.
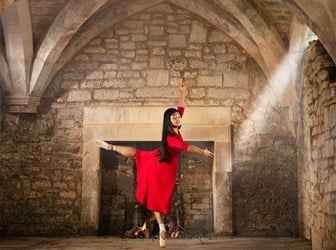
[{"x": 103, "y": 145}]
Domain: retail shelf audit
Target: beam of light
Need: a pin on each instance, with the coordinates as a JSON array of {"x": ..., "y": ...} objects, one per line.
[{"x": 281, "y": 80}]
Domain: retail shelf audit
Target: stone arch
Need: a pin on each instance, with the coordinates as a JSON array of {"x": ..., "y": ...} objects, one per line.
[
  {"x": 101, "y": 22},
  {"x": 65, "y": 25},
  {"x": 110, "y": 17},
  {"x": 268, "y": 40},
  {"x": 213, "y": 17},
  {"x": 320, "y": 17},
  {"x": 6, "y": 81},
  {"x": 17, "y": 28}
]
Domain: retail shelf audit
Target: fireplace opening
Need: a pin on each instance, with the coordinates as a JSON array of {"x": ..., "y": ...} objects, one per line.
[{"x": 192, "y": 205}]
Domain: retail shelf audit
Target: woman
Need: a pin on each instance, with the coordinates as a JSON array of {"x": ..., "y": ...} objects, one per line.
[{"x": 156, "y": 169}]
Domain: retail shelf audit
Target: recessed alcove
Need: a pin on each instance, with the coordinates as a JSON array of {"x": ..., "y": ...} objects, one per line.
[{"x": 211, "y": 124}]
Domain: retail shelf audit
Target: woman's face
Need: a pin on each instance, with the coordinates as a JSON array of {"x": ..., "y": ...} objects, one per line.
[{"x": 175, "y": 119}]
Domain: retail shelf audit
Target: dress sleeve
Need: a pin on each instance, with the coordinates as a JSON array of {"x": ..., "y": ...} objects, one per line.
[
  {"x": 176, "y": 142},
  {"x": 180, "y": 109}
]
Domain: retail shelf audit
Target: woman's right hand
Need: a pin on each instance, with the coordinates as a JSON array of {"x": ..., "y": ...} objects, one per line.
[{"x": 183, "y": 85}]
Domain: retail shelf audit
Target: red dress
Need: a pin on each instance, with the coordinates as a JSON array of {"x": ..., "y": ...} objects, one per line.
[{"x": 156, "y": 180}]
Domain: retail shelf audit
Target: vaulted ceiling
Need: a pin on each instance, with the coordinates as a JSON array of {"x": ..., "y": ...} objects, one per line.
[{"x": 38, "y": 37}]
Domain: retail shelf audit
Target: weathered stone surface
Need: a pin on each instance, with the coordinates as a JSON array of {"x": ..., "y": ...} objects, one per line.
[
  {"x": 210, "y": 81},
  {"x": 316, "y": 184},
  {"x": 177, "y": 41},
  {"x": 105, "y": 94},
  {"x": 234, "y": 80},
  {"x": 157, "y": 78},
  {"x": 198, "y": 33},
  {"x": 79, "y": 95}
]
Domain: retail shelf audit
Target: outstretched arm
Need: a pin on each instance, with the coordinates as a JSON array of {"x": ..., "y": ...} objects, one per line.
[
  {"x": 125, "y": 151},
  {"x": 182, "y": 88},
  {"x": 205, "y": 152}
]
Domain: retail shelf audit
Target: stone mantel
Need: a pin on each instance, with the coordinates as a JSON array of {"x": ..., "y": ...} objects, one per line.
[{"x": 124, "y": 123}]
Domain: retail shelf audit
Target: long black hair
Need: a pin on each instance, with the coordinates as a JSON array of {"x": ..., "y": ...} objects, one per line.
[{"x": 168, "y": 128}]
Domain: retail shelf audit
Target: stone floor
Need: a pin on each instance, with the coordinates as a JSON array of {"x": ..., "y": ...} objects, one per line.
[{"x": 101, "y": 243}]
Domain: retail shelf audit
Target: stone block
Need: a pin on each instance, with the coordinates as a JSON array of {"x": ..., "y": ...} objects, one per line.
[
  {"x": 158, "y": 78},
  {"x": 158, "y": 51},
  {"x": 197, "y": 64},
  {"x": 177, "y": 41},
  {"x": 138, "y": 37},
  {"x": 222, "y": 59},
  {"x": 133, "y": 24},
  {"x": 139, "y": 65},
  {"x": 106, "y": 94},
  {"x": 160, "y": 43},
  {"x": 221, "y": 93},
  {"x": 79, "y": 96},
  {"x": 155, "y": 30},
  {"x": 127, "y": 53},
  {"x": 331, "y": 187},
  {"x": 219, "y": 49},
  {"x": 331, "y": 116},
  {"x": 210, "y": 81},
  {"x": 41, "y": 184},
  {"x": 198, "y": 33},
  {"x": 328, "y": 149},
  {"x": 197, "y": 93},
  {"x": 68, "y": 194},
  {"x": 70, "y": 84},
  {"x": 91, "y": 84},
  {"x": 235, "y": 79},
  {"x": 193, "y": 53},
  {"x": 111, "y": 43},
  {"x": 157, "y": 62},
  {"x": 109, "y": 66},
  {"x": 128, "y": 74},
  {"x": 114, "y": 82},
  {"x": 94, "y": 50},
  {"x": 154, "y": 92},
  {"x": 74, "y": 75},
  {"x": 98, "y": 74}
]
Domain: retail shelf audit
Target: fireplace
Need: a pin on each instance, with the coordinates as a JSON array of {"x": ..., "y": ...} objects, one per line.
[
  {"x": 191, "y": 208},
  {"x": 144, "y": 124}
]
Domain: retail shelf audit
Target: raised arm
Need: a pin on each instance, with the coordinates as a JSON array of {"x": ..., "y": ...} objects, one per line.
[{"x": 182, "y": 88}]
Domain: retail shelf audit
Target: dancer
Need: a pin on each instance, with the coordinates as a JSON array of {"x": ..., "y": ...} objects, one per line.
[{"x": 156, "y": 169}]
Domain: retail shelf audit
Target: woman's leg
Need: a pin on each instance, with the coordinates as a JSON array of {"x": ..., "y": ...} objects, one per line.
[
  {"x": 159, "y": 217},
  {"x": 123, "y": 150},
  {"x": 163, "y": 234}
]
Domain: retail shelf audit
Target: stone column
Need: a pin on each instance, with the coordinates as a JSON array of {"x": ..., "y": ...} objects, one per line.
[
  {"x": 222, "y": 189},
  {"x": 91, "y": 179}
]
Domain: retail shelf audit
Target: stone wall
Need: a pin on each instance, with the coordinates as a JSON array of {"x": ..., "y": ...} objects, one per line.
[
  {"x": 139, "y": 62},
  {"x": 40, "y": 177},
  {"x": 264, "y": 177},
  {"x": 317, "y": 176},
  {"x": 193, "y": 193}
]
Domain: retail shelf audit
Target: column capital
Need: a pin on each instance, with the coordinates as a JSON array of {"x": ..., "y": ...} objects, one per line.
[{"x": 22, "y": 103}]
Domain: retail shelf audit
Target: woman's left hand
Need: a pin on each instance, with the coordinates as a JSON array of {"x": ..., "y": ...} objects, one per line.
[{"x": 207, "y": 153}]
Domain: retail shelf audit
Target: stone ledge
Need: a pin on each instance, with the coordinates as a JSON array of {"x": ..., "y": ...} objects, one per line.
[{"x": 22, "y": 103}]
